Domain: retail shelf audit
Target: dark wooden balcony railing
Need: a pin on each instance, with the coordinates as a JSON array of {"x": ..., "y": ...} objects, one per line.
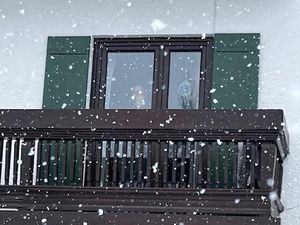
[{"x": 201, "y": 167}]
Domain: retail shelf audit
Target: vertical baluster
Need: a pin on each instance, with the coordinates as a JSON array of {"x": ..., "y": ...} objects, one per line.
[
  {"x": 107, "y": 164},
  {"x": 12, "y": 162},
  {"x": 103, "y": 163},
  {"x": 53, "y": 162},
  {"x": 132, "y": 161},
  {"x": 234, "y": 163},
  {"x": 225, "y": 165},
  {"x": 149, "y": 162},
  {"x": 7, "y": 160},
  {"x": 19, "y": 162},
  {"x": 140, "y": 151},
  {"x": 257, "y": 164},
  {"x": 44, "y": 162},
  {"x": 156, "y": 164},
  {"x": 241, "y": 170},
  {"x": 68, "y": 162},
  {"x": 173, "y": 148},
  {"x": 145, "y": 166},
  {"x": 98, "y": 157},
  {"x": 208, "y": 148},
  {"x": 27, "y": 156},
  {"x": 61, "y": 169},
  {"x": 164, "y": 163},
  {"x": 115, "y": 163},
  {"x": 182, "y": 163},
  {"x": 123, "y": 163},
  {"x": 199, "y": 164},
  {"x": 247, "y": 151},
  {"x": 78, "y": 162},
  {"x": 253, "y": 150},
  {"x": 84, "y": 162},
  {"x": 89, "y": 163},
  {"x": 71, "y": 158},
  {"x": 35, "y": 162},
  {"x": 3, "y": 165},
  {"x": 217, "y": 148},
  {"x": 192, "y": 152},
  {"x": 16, "y": 155}
]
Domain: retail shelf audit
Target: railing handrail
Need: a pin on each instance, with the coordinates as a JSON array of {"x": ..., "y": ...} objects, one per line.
[{"x": 255, "y": 125}]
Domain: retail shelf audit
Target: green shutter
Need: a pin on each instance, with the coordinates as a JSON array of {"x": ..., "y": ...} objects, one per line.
[
  {"x": 235, "y": 73},
  {"x": 66, "y": 72}
]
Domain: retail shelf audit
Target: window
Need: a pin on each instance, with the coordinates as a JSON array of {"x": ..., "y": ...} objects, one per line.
[{"x": 153, "y": 73}]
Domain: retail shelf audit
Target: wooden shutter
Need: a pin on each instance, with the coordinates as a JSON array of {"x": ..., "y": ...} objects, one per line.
[
  {"x": 66, "y": 72},
  {"x": 235, "y": 73}
]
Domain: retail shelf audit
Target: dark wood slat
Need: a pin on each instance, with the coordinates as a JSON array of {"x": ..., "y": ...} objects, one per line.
[
  {"x": 149, "y": 162},
  {"x": 89, "y": 178},
  {"x": 191, "y": 150},
  {"x": 7, "y": 160},
  {"x": 27, "y": 162},
  {"x": 164, "y": 163},
  {"x": 217, "y": 164},
  {"x": 208, "y": 149},
  {"x": 98, "y": 156},
  {"x": 104, "y": 164},
  {"x": 61, "y": 163},
  {"x": 174, "y": 148},
  {"x": 16, "y": 155},
  {"x": 157, "y": 165},
  {"x": 115, "y": 164},
  {"x": 123, "y": 164},
  {"x": 45, "y": 162},
  {"x": 225, "y": 167},
  {"x": 153, "y": 158},
  {"x": 199, "y": 164},
  {"x": 257, "y": 164},
  {"x": 71, "y": 158},
  {"x": 253, "y": 151},
  {"x": 132, "y": 164},
  {"x": 242, "y": 165},
  {"x": 107, "y": 164},
  {"x": 182, "y": 148},
  {"x": 79, "y": 147},
  {"x": 140, "y": 171},
  {"x": 234, "y": 163},
  {"x": 52, "y": 163}
]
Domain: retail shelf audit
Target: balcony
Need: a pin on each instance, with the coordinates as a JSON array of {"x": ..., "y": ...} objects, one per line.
[{"x": 116, "y": 167}]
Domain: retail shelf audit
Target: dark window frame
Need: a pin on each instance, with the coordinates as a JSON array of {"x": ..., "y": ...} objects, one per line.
[{"x": 161, "y": 67}]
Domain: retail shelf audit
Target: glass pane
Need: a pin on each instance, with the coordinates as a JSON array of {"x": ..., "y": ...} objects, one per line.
[
  {"x": 184, "y": 80},
  {"x": 129, "y": 80}
]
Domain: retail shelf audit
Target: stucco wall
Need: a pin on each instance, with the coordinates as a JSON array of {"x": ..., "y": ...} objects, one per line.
[{"x": 24, "y": 27}]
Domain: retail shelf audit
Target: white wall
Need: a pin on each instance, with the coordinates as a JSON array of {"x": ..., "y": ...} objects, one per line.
[{"x": 24, "y": 27}]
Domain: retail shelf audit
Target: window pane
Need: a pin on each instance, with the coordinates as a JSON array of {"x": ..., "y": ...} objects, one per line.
[
  {"x": 129, "y": 80},
  {"x": 184, "y": 80}
]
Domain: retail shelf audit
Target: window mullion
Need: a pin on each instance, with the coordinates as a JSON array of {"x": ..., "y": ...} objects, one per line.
[{"x": 165, "y": 54}]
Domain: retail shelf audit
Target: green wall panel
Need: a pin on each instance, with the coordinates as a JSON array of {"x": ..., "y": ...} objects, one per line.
[
  {"x": 235, "y": 73},
  {"x": 66, "y": 72}
]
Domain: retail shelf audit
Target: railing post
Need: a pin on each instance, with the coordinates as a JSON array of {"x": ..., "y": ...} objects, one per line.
[{"x": 268, "y": 165}]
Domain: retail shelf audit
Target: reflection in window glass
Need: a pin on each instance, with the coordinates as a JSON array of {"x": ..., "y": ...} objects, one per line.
[
  {"x": 129, "y": 80},
  {"x": 184, "y": 80}
]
